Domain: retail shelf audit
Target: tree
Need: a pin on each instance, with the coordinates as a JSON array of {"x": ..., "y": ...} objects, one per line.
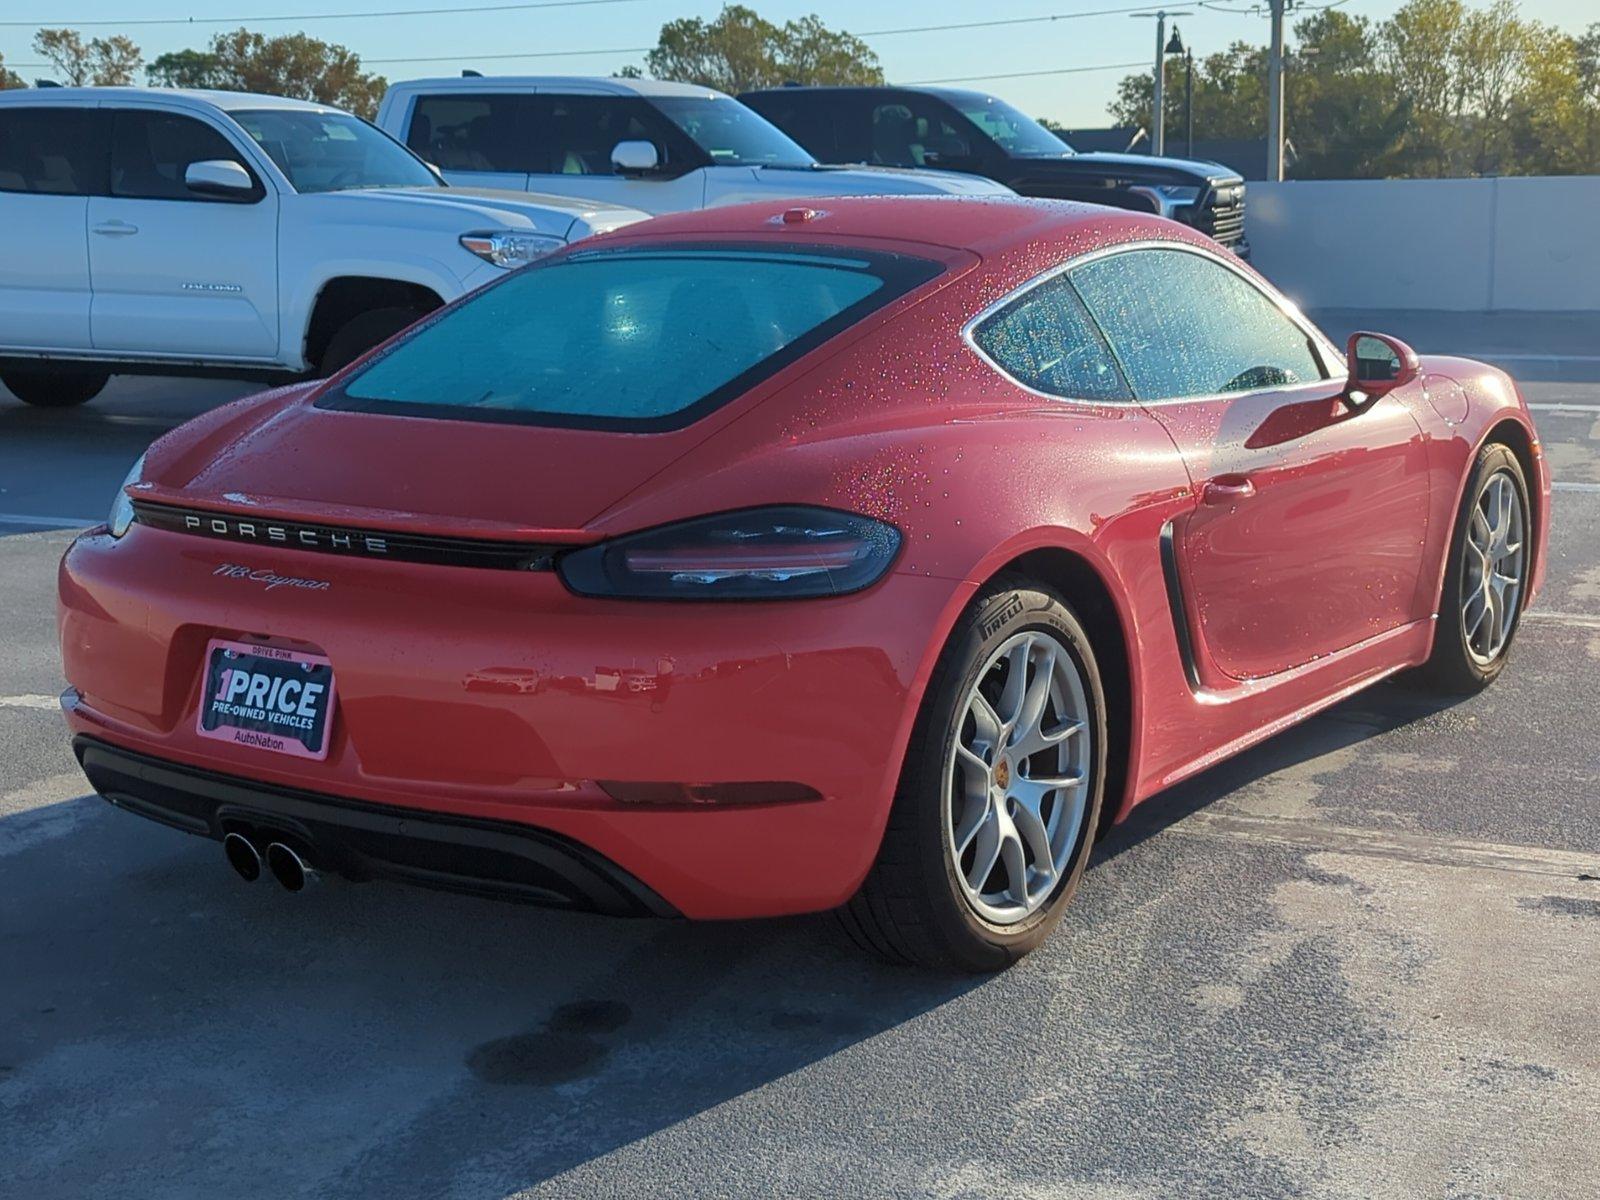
[
  {"x": 1555, "y": 121},
  {"x": 1438, "y": 89},
  {"x": 1346, "y": 118},
  {"x": 292, "y": 65},
  {"x": 739, "y": 50},
  {"x": 187, "y": 69},
  {"x": 1229, "y": 95},
  {"x": 103, "y": 62},
  {"x": 9, "y": 78}
]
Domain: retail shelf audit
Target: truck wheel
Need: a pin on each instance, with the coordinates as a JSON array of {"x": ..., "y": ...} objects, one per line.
[
  {"x": 361, "y": 333},
  {"x": 54, "y": 389}
]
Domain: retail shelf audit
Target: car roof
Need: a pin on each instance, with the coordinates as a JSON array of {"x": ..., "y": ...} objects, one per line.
[
  {"x": 556, "y": 83},
  {"x": 227, "y": 101},
  {"x": 985, "y": 225},
  {"x": 946, "y": 93}
]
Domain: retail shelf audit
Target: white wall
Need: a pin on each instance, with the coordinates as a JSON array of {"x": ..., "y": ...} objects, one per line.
[{"x": 1468, "y": 245}]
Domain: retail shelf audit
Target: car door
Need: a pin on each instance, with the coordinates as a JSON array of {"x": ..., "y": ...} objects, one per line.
[
  {"x": 475, "y": 139},
  {"x": 573, "y": 134},
  {"x": 176, "y": 272},
  {"x": 1310, "y": 515},
  {"x": 52, "y": 160}
]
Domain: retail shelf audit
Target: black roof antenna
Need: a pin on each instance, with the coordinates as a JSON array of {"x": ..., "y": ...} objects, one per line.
[{"x": 469, "y": 73}]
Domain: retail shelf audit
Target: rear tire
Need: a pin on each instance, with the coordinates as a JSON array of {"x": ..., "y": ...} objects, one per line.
[
  {"x": 919, "y": 904},
  {"x": 54, "y": 389},
  {"x": 361, "y": 333},
  {"x": 1486, "y": 578}
]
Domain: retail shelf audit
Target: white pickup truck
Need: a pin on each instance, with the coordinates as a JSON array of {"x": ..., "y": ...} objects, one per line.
[
  {"x": 663, "y": 147},
  {"x": 218, "y": 233}
]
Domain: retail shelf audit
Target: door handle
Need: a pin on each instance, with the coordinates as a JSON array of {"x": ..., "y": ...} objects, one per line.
[
  {"x": 1227, "y": 489},
  {"x": 115, "y": 229}
]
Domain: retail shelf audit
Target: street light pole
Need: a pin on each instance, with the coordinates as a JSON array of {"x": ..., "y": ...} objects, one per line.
[
  {"x": 1158, "y": 115},
  {"x": 1188, "y": 101},
  {"x": 1158, "y": 127},
  {"x": 1275, "y": 94}
]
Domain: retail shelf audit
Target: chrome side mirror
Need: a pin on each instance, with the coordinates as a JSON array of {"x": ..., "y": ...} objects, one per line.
[
  {"x": 635, "y": 158},
  {"x": 219, "y": 177}
]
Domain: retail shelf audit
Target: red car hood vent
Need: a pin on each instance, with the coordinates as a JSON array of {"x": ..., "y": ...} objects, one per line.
[{"x": 420, "y": 476}]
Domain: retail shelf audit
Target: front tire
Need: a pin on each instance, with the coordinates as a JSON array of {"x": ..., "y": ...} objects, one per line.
[
  {"x": 1486, "y": 578},
  {"x": 1000, "y": 793},
  {"x": 54, "y": 389}
]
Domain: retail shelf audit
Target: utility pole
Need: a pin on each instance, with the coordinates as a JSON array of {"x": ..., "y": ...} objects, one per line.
[
  {"x": 1158, "y": 114},
  {"x": 1275, "y": 94}
]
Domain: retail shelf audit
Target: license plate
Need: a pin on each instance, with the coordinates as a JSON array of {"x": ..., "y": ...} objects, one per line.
[{"x": 266, "y": 697}]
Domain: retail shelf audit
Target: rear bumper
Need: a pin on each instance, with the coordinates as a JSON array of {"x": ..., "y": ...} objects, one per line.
[
  {"x": 498, "y": 696},
  {"x": 361, "y": 841}
]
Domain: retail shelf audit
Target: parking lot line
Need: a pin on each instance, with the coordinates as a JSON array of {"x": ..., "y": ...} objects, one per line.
[
  {"x": 1554, "y": 406},
  {"x": 1576, "y": 620},
  {"x": 1574, "y": 486},
  {"x": 1377, "y": 843},
  {"x": 26, "y": 519},
  {"x": 50, "y": 703}
]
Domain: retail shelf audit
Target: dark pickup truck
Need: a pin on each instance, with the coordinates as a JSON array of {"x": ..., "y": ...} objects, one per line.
[{"x": 957, "y": 130}]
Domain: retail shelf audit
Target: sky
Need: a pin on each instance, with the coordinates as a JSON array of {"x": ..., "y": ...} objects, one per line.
[{"x": 1033, "y": 65}]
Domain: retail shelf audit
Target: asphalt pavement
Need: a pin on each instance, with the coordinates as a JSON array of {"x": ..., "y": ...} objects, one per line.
[{"x": 1361, "y": 960}]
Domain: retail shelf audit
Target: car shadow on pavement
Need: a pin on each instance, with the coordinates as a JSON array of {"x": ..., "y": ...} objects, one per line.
[
  {"x": 1381, "y": 709},
  {"x": 374, "y": 1039}
]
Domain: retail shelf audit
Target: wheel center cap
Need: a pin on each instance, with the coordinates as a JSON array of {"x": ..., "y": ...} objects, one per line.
[{"x": 1002, "y": 774}]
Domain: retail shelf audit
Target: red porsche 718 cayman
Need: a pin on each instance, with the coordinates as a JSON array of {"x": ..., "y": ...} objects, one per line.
[{"x": 875, "y": 556}]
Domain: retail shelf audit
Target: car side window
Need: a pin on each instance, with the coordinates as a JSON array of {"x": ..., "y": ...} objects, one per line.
[
  {"x": 911, "y": 132},
  {"x": 1046, "y": 340},
  {"x": 574, "y": 135},
  {"x": 471, "y": 133},
  {"x": 151, "y": 151},
  {"x": 1183, "y": 325},
  {"x": 52, "y": 151}
]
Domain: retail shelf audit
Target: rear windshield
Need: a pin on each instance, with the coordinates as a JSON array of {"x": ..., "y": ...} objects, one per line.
[{"x": 635, "y": 338}]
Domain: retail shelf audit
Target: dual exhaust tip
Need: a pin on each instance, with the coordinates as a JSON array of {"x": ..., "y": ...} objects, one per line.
[{"x": 283, "y": 862}]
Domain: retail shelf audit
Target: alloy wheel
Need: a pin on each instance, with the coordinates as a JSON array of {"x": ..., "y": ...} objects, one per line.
[
  {"x": 1017, "y": 781},
  {"x": 1493, "y": 566}
]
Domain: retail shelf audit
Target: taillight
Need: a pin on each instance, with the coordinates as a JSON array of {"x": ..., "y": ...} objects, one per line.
[{"x": 779, "y": 553}]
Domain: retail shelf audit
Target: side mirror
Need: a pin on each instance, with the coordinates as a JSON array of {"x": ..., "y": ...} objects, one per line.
[
  {"x": 1378, "y": 364},
  {"x": 219, "y": 177},
  {"x": 635, "y": 158}
]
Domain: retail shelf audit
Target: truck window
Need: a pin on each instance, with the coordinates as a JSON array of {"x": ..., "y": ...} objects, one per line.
[
  {"x": 472, "y": 132},
  {"x": 151, "y": 151},
  {"x": 53, "y": 151},
  {"x": 810, "y": 120},
  {"x": 912, "y": 133},
  {"x": 574, "y": 135}
]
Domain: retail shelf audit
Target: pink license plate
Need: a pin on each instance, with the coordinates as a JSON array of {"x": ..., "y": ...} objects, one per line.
[{"x": 267, "y": 698}]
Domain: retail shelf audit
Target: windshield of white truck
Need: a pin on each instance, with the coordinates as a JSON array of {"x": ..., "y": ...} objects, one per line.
[
  {"x": 332, "y": 151},
  {"x": 733, "y": 135}
]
